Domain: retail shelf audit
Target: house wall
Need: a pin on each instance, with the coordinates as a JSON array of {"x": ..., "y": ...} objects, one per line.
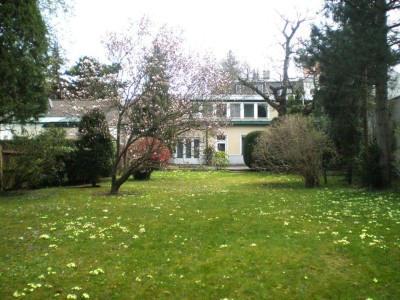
[
  {"x": 9, "y": 130},
  {"x": 30, "y": 129},
  {"x": 234, "y": 141},
  {"x": 233, "y": 144}
]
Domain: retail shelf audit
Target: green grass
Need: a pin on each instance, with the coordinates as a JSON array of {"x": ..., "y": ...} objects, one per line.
[{"x": 201, "y": 235}]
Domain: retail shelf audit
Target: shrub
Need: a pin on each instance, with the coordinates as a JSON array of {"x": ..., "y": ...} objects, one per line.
[
  {"x": 220, "y": 159},
  {"x": 249, "y": 142},
  {"x": 208, "y": 155},
  {"x": 40, "y": 161},
  {"x": 293, "y": 145},
  {"x": 158, "y": 155}
]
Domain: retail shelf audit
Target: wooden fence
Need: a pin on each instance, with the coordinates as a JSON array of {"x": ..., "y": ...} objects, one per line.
[{"x": 7, "y": 176}]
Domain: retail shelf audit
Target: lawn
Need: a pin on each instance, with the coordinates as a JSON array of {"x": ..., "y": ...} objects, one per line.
[{"x": 201, "y": 235}]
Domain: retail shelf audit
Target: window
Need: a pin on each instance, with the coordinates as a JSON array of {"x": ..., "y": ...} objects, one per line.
[
  {"x": 261, "y": 111},
  {"x": 238, "y": 88},
  {"x": 249, "y": 110},
  {"x": 196, "y": 148},
  {"x": 179, "y": 149},
  {"x": 188, "y": 144},
  {"x": 221, "y": 141},
  {"x": 221, "y": 146},
  {"x": 235, "y": 110}
]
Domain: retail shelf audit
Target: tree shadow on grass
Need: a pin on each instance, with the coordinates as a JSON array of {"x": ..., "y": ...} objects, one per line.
[
  {"x": 121, "y": 193},
  {"x": 283, "y": 185}
]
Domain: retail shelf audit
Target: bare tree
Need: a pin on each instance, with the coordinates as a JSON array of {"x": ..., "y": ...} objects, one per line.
[{"x": 279, "y": 99}]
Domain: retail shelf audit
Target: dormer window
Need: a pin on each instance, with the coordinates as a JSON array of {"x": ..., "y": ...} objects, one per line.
[
  {"x": 261, "y": 111},
  {"x": 235, "y": 110},
  {"x": 238, "y": 88},
  {"x": 249, "y": 110}
]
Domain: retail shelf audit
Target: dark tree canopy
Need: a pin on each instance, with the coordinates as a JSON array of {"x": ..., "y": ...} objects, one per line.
[
  {"x": 95, "y": 147},
  {"x": 23, "y": 51},
  {"x": 353, "y": 59}
]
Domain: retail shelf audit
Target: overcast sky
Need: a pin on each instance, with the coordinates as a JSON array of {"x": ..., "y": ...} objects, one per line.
[{"x": 249, "y": 28}]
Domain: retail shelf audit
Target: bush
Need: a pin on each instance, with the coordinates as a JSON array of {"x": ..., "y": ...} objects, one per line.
[
  {"x": 158, "y": 155},
  {"x": 249, "y": 142},
  {"x": 41, "y": 161},
  {"x": 208, "y": 155},
  {"x": 220, "y": 160},
  {"x": 293, "y": 145}
]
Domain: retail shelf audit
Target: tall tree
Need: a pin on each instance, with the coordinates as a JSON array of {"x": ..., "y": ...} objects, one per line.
[
  {"x": 161, "y": 80},
  {"x": 232, "y": 68},
  {"x": 54, "y": 73},
  {"x": 94, "y": 147},
  {"x": 90, "y": 80},
  {"x": 279, "y": 100},
  {"x": 340, "y": 87},
  {"x": 23, "y": 51},
  {"x": 354, "y": 58},
  {"x": 156, "y": 85}
]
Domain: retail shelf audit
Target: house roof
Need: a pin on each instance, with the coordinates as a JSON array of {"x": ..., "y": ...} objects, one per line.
[{"x": 71, "y": 111}]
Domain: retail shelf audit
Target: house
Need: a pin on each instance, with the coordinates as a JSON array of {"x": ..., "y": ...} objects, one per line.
[{"x": 244, "y": 111}]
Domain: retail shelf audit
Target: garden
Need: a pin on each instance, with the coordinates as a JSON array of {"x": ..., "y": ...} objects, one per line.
[{"x": 201, "y": 235}]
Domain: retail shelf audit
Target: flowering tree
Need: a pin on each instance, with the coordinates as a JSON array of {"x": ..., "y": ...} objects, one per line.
[
  {"x": 150, "y": 90},
  {"x": 159, "y": 80}
]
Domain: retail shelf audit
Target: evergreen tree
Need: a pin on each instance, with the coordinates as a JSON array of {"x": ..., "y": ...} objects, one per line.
[
  {"x": 23, "y": 51},
  {"x": 353, "y": 58},
  {"x": 95, "y": 148},
  {"x": 340, "y": 92},
  {"x": 155, "y": 98},
  {"x": 54, "y": 79},
  {"x": 90, "y": 80}
]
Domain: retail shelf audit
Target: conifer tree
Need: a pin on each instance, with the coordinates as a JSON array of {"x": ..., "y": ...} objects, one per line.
[{"x": 23, "y": 51}]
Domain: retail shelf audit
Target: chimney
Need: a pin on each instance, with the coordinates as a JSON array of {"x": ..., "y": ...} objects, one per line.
[{"x": 266, "y": 75}]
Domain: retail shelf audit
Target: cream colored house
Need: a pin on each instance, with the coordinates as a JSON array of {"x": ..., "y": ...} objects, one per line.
[{"x": 244, "y": 111}]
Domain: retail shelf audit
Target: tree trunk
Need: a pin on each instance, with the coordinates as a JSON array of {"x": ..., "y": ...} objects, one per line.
[
  {"x": 311, "y": 179},
  {"x": 383, "y": 130},
  {"x": 115, "y": 185}
]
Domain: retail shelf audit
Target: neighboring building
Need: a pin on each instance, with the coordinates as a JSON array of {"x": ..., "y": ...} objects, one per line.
[{"x": 61, "y": 113}]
